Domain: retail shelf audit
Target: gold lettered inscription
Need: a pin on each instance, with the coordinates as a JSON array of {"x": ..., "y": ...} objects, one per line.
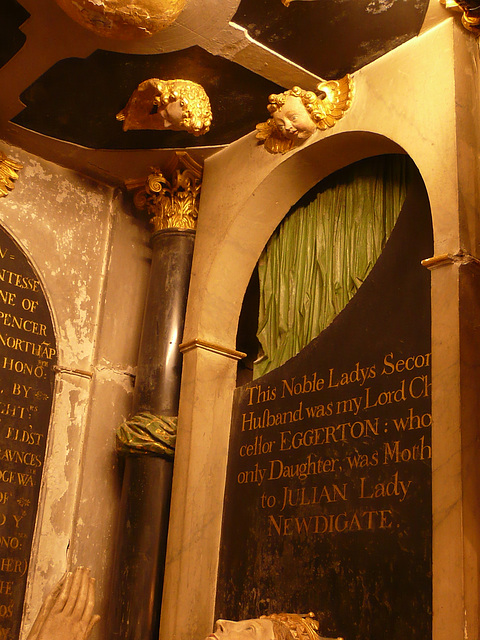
[
  {"x": 27, "y": 358},
  {"x": 370, "y": 415}
]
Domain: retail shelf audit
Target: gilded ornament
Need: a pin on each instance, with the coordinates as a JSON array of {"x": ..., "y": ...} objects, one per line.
[
  {"x": 277, "y": 626},
  {"x": 177, "y": 105},
  {"x": 123, "y": 19},
  {"x": 148, "y": 434},
  {"x": 470, "y": 13},
  {"x": 288, "y": 2},
  {"x": 8, "y": 173},
  {"x": 301, "y": 626},
  {"x": 297, "y": 114},
  {"x": 172, "y": 203}
]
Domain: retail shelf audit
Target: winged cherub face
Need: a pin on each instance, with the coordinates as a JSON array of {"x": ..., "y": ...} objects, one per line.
[
  {"x": 293, "y": 120},
  {"x": 256, "y": 629}
]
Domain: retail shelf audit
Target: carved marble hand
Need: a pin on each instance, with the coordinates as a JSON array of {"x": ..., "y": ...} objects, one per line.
[{"x": 68, "y": 610}]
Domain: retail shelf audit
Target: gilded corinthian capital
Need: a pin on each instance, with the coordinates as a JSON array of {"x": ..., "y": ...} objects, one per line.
[{"x": 171, "y": 196}]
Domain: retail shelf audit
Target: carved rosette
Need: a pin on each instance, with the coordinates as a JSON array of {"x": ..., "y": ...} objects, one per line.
[{"x": 172, "y": 203}]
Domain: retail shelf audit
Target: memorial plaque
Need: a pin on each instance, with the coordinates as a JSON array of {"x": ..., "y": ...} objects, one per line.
[
  {"x": 328, "y": 496},
  {"x": 27, "y": 359}
]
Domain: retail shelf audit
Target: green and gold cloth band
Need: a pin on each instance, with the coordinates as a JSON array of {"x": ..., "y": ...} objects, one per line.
[{"x": 148, "y": 434}]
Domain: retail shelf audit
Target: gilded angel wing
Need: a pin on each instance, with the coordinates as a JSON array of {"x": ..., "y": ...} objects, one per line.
[
  {"x": 272, "y": 140},
  {"x": 334, "y": 100},
  {"x": 8, "y": 173},
  {"x": 140, "y": 112}
]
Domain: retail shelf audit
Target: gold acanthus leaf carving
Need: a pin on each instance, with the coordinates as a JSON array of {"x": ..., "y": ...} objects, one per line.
[
  {"x": 8, "y": 173},
  {"x": 297, "y": 114},
  {"x": 171, "y": 204}
]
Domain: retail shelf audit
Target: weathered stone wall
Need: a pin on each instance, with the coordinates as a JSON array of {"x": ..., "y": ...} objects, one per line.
[{"x": 92, "y": 256}]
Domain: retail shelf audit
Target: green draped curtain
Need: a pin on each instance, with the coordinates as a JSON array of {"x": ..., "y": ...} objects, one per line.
[{"x": 322, "y": 252}]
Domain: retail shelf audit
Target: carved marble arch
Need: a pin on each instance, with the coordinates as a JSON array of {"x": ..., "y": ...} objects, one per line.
[
  {"x": 288, "y": 180},
  {"x": 320, "y": 358},
  {"x": 239, "y": 219}
]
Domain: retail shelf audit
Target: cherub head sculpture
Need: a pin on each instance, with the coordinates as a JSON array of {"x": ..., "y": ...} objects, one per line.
[
  {"x": 297, "y": 114},
  {"x": 281, "y": 626},
  {"x": 177, "y": 105}
]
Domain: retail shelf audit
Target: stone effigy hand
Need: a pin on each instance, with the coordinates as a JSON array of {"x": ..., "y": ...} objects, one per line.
[{"x": 68, "y": 610}]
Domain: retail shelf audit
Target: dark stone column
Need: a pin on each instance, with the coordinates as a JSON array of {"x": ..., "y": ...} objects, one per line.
[
  {"x": 145, "y": 502},
  {"x": 157, "y": 387}
]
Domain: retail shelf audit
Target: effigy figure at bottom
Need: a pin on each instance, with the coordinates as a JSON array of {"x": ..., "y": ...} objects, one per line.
[{"x": 68, "y": 613}]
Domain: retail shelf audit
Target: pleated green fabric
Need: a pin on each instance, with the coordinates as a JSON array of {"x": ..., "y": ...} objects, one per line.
[{"x": 323, "y": 250}]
